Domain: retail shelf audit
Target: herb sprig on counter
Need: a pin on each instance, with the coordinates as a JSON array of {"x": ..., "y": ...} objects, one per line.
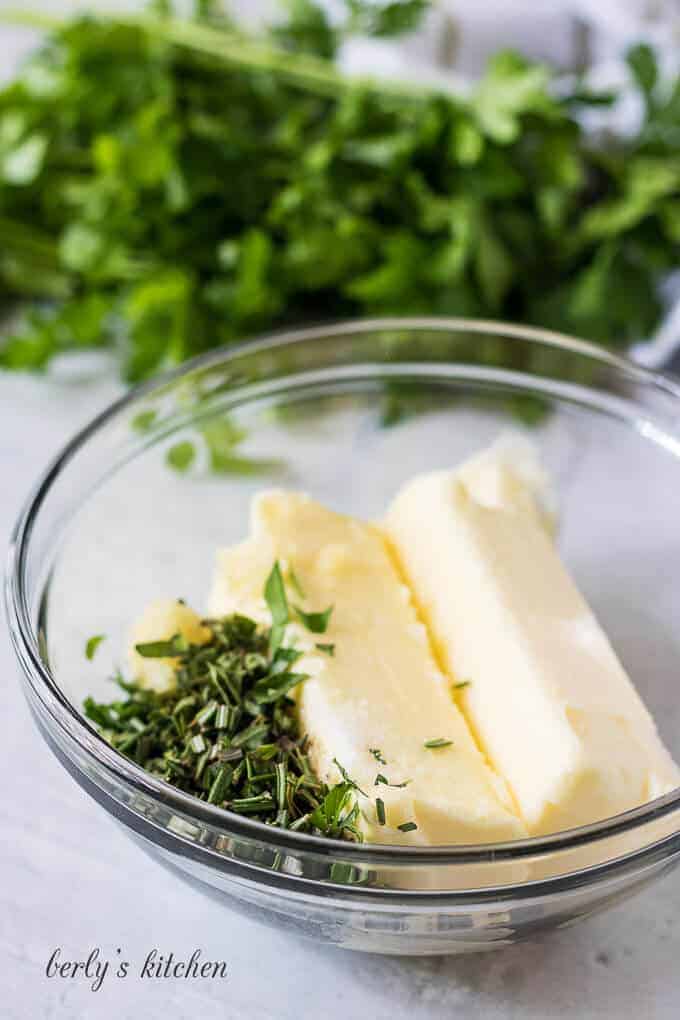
[
  {"x": 167, "y": 186},
  {"x": 226, "y": 732}
]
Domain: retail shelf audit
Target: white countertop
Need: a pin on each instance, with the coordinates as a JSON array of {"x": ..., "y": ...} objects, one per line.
[{"x": 70, "y": 878}]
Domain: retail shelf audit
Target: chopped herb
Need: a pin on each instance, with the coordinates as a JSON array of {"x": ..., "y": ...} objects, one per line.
[
  {"x": 227, "y": 732},
  {"x": 437, "y": 742},
  {"x": 171, "y": 648},
  {"x": 461, "y": 685},
  {"x": 275, "y": 685},
  {"x": 381, "y": 779},
  {"x": 378, "y": 755},
  {"x": 328, "y": 649},
  {"x": 181, "y": 456},
  {"x": 338, "y": 811},
  {"x": 205, "y": 715},
  {"x": 346, "y": 196},
  {"x": 295, "y": 582},
  {"x": 275, "y": 597},
  {"x": 222, "y": 717},
  {"x": 380, "y": 810},
  {"x": 219, "y": 785},
  {"x": 198, "y": 744},
  {"x": 407, "y": 826},
  {"x": 253, "y": 805},
  {"x": 316, "y": 622},
  {"x": 144, "y": 421},
  {"x": 348, "y": 779},
  {"x": 92, "y": 645},
  {"x": 281, "y": 784}
]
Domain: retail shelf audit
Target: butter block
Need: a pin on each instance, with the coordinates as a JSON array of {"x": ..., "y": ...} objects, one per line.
[
  {"x": 160, "y": 621},
  {"x": 508, "y": 475},
  {"x": 548, "y": 701},
  {"x": 381, "y": 688}
]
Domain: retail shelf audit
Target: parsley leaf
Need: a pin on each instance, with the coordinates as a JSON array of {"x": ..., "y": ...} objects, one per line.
[
  {"x": 275, "y": 597},
  {"x": 317, "y": 623},
  {"x": 174, "y": 646},
  {"x": 92, "y": 645},
  {"x": 345, "y": 197},
  {"x": 181, "y": 456}
]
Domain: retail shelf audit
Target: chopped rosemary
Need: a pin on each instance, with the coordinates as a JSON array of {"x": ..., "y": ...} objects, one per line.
[
  {"x": 226, "y": 731},
  {"x": 407, "y": 826},
  {"x": 381, "y": 779},
  {"x": 328, "y": 649},
  {"x": 92, "y": 645},
  {"x": 350, "y": 782},
  {"x": 380, "y": 810},
  {"x": 436, "y": 743},
  {"x": 460, "y": 686},
  {"x": 378, "y": 755}
]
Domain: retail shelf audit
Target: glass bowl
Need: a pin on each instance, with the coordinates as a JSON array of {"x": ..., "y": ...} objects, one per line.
[{"x": 347, "y": 413}]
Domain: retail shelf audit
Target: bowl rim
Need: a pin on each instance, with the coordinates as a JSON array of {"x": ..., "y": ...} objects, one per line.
[{"x": 77, "y": 729}]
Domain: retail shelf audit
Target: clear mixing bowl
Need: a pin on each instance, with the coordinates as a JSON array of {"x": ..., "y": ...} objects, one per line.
[{"x": 347, "y": 413}]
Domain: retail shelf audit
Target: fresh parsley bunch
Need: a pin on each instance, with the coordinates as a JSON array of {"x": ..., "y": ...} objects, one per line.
[{"x": 167, "y": 186}]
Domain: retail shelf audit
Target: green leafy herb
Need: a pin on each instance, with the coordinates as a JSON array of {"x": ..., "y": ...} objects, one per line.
[
  {"x": 378, "y": 755},
  {"x": 316, "y": 622},
  {"x": 171, "y": 648},
  {"x": 380, "y": 779},
  {"x": 216, "y": 444},
  {"x": 328, "y": 649},
  {"x": 275, "y": 597},
  {"x": 221, "y": 439},
  {"x": 226, "y": 731},
  {"x": 92, "y": 645},
  {"x": 385, "y": 17},
  {"x": 338, "y": 811},
  {"x": 437, "y": 742},
  {"x": 181, "y": 455},
  {"x": 145, "y": 420},
  {"x": 407, "y": 826},
  {"x": 346, "y": 197},
  {"x": 380, "y": 810},
  {"x": 348, "y": 780}
]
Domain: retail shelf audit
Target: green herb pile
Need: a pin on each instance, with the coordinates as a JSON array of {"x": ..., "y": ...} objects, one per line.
[
  {"x": 167, "y": 186},
  {"x": 227, "y": 732}
]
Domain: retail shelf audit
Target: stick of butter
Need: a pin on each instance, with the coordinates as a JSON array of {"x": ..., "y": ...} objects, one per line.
[
  {"x": 380, "y": 689},
  {"x": 548, "y": 701},
  {"x": 160, "y": 621}
]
